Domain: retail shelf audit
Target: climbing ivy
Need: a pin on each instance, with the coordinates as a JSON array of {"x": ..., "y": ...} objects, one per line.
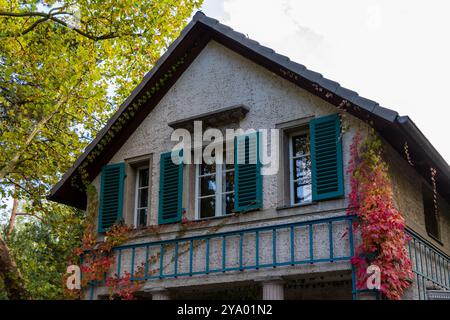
[
  {"x": 97, "y": 257},
  {"x": 380, "y": 224}
]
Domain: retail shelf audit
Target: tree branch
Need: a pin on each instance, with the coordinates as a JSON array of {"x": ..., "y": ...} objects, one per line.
[
  {"x": 12, "y": 163},
  {"x": 30, "y": 215},
  {"x": 23, "y": 14},
  {"x": 34, "y": 25},
  {"x": 12, "y": 218},
  {"x": 51, "y": 16}
]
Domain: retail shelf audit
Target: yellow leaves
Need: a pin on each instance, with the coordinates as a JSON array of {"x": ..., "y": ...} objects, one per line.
[{"x": 54, "y": 65}]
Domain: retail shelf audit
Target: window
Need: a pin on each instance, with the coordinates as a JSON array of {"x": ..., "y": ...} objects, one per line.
[
  {"x": 431, "y": 216},
  {"x": 214, "y": 190},
  {"x": 142, "y": 190},
  {"x": 300, "y": 168}
]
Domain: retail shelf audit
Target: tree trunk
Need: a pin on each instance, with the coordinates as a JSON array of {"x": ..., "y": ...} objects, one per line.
[
  {"x": 12, "y": 279},
  {"x": 12, "y": 218}
]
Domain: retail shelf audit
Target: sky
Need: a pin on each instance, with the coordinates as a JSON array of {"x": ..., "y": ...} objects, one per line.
[{"x": 394, "y": 52}]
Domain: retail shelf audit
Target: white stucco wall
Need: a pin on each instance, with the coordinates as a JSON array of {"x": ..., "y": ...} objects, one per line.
[{"x": 220, "y": 78}]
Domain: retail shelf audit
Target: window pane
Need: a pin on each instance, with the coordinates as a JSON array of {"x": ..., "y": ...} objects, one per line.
[
  {"x": 207, "y": 207},
  {"x": 143, "y": 177},
  {"x": 229, "y": 181},
  {"x": 208, "y": 186},
  {"x": 229, "y": 164},
  {"x": 207, "y": 169},
  {"x": 142, "y": 217},
  {"x": 300, "y": 145},
  {"x": 143, "y": 198},
  {"x": 302, "y": 193},
  {"x": 302, "y": 169},
  {"x": 228, "y": 203}
]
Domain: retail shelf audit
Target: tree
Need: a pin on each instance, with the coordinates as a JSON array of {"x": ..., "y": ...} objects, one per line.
[
  {"x": 42, "y": 250},
  {"x": 64, "y": 68},
  {"x": 10, "y": 277}
]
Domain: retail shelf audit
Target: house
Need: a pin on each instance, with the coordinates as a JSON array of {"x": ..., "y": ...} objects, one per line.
[{"x": 228, "y": 231}]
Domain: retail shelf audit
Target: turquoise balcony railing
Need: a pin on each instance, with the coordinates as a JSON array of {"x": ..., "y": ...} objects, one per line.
[
  {"x": 272, "y": 246},
  {"x": 296, "y": 243},
  {"x": 430, "y": 265}
]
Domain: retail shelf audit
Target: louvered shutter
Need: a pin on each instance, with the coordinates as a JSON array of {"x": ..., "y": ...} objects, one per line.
[
  {"x": 326, "y": 158},
  {"x": 170, "y": 189},
  {"x": 247, "y": 171},
  {"x": 111, "y": 195}
]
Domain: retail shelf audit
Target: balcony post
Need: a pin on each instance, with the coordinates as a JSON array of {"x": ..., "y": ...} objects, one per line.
[{"x": 273, "y": 288}]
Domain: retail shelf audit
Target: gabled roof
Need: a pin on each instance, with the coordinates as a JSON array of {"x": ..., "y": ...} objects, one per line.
[{"x": 399, "y": 131}]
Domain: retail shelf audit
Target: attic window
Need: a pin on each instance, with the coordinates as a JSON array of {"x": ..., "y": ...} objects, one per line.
[{"x": 431, "y": 216}]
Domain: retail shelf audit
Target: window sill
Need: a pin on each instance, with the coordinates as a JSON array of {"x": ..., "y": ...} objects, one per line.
[
  {"x": 233, "y": 214},
  {"x": 212, "y": 218},
  {"x": 296, "y": 206}
]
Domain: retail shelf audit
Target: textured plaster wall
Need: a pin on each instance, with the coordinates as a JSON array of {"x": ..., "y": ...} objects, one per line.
[
  {"x": 220, "y": 78},
  {"x": 407, "y": 185}
]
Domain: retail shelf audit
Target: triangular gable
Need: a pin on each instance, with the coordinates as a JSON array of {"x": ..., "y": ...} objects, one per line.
[{"x": 397, "y": 130}]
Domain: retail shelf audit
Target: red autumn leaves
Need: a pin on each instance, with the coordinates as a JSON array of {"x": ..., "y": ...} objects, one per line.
[{"x": 380, "y": 225}]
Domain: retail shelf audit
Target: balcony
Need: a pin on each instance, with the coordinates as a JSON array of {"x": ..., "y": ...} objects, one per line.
[
  {"x": 431, "y": 267},
  {"x": 273, "y": 246}
]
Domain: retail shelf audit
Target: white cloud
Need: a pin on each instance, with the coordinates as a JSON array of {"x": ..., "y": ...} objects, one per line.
[{"x": 394, "y": 52}]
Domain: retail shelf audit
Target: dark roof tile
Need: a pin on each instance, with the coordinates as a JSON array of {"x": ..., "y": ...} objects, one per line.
[
  {"x": 330, "y": 85},
  {"x": 364, "y": 103}
]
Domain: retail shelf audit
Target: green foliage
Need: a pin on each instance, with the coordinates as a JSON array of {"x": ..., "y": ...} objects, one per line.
[
  {"x": 42, "y": 250},
  {"x": 65, "y": 66},
  {"x": 3, "y": 295}
]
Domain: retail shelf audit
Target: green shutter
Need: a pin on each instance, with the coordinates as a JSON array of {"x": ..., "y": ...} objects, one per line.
[
  {"x": 170, "y": 189},
  {"x": 247, "y": 175},
  {"x": 111, "y": 195},
  {"x": 326, "y": 158}
]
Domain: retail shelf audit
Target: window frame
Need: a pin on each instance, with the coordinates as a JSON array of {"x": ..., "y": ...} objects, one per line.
[
  {"x": 436, "y": 215},
  {"x": 219, "y": 175},
  {"x": 291, "y": 158},
  {"x": 136, "y": 197}
]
